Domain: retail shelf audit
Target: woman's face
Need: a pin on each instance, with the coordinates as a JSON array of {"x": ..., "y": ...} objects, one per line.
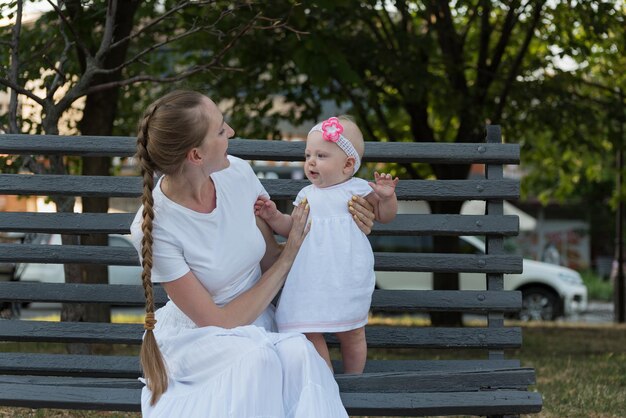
[
  {"x": 324, "y": 161},
  {"x": 215, "y": 145}
]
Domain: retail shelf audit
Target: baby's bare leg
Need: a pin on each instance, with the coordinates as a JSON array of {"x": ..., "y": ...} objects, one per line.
[
  {"x": 353, "y": 350},
  {"x": 320, "y": 345}
]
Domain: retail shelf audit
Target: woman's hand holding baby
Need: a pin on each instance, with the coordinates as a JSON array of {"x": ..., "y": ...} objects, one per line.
[{"x": 300, "y": 227}]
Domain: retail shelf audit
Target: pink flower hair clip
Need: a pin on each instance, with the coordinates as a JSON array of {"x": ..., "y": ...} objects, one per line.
[{"x": 331, "y": 129}]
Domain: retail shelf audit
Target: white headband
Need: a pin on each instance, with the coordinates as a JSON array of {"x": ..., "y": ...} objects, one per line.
[{"x": 331, "y": 130}]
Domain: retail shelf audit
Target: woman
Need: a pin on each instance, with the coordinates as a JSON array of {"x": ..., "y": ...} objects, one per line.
[{"x": 212, "y": 350}]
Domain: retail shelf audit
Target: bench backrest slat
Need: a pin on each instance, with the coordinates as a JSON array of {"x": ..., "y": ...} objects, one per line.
[
  {"x": 72, "y": 223},
  {"x": 131, "y": 295},
  {"x": 127, "y": 366},
  {"x": 119, "y": 223},
  {"x": 379, "y": 336},
  {"x": 121, "y": 186},
  {"x": 427, "y": 152},
  {"x": 87, "y": 254}
]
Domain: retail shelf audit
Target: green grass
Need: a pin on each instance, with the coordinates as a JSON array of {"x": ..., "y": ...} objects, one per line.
[
  {"x": 598, "y": 288},
  {"x": 581, "y": 370}
]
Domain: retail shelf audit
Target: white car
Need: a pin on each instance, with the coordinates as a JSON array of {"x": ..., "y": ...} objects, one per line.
[
  {"x": 53, "y": 273},
  {"x": 548, "y": 291}
]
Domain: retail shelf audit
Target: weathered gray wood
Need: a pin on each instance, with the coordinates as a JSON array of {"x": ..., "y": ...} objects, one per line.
[
  {"x": 119, "y": 223},
  {"x": 406, "y": 404},
  {"x": 434, "y": 365},
  {"x": 70, "y": 397},
  {"x": 66, "y": 223},
  {"x": 460, "y": 153},
  {"x": 431, "y": 224},
  {"x": 128, "y": 366},
  {"x": 469, "y": 263},
  {"x": 402, "y": 300},
  {"x": 499, "y": 402},
  {"x": 374, "y": 382},
  {"x": 446, "y": 300},
  {"x": 93, "y": 382},
  {"x": 67, "y": 185},
  {"x": 84, "y": 146},
  {"x": 70, "y": 365},
  {"x": 120, "y": 295},
  {"x": 436, "y": 381},
  {"x": 377, "y": 336},
  {"x": 122, "y": 186},
  {"x": 57, "y": 254}
]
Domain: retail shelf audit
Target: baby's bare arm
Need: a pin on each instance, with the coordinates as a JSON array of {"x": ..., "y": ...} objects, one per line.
[
  {"x": 266, "y": 210},
  {"x": 384, "y": 197}
]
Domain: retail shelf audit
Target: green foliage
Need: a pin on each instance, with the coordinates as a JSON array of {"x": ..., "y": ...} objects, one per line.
[
  {"x": 597, "y": 287},
  {"x": 401, "y": 68},
  {"x": 567, "y": 116}
]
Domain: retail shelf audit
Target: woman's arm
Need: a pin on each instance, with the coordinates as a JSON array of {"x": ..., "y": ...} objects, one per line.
[
  {"x": 272, "y": 247},
  {"x": 197, "y": 303}
]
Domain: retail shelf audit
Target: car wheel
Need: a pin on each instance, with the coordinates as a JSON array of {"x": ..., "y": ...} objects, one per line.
[{"x": 538, "y": 304}]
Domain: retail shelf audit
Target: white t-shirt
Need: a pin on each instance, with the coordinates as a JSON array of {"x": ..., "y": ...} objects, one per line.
[{"x": 222, "y": 248}]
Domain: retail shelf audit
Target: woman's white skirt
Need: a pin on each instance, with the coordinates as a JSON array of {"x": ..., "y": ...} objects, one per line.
[{"x": 243, "y": 372}]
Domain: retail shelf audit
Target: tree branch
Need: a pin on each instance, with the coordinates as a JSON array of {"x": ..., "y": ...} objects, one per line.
[
  {"x": 107, "y": 37},
  {"x": 59, "y": 78},
  {"x": 379, "y": 36},
  {"x": 159, "y": 19},
  {"x": 385, "y": 14},
  {"x": 187, "y": 73},
  {"x": 483, "y": 49},
  {"x": 14, "y": 70},
  {"x": 449, "y": 42},
  {"x": 67, "y": 23},
  {"x": 613, "y": 90},
  {"x": 147, "y": 51},
  {"x": 518, "y": 61},
  {"x": 473, "y": 15},
  {"x": 505, "y": 37},
  {"x": 163, "y": 80},
  {"x": 21, "y": 90}
]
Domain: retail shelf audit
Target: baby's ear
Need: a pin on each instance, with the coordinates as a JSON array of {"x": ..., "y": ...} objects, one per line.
[{"x": 348, "y": 167}]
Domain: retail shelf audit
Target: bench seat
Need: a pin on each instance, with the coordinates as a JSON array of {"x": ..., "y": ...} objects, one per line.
[{"x": 377, "y": 393}]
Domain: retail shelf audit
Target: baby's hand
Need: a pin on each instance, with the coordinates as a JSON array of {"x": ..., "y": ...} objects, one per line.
[
  {"x": 385, "y": 185},
  {"x": 265, "y": 208}
]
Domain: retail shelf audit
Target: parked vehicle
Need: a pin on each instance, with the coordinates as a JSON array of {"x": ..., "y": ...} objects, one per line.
[
  {"x": 548, "y": 291},
  {"x": 53, "y": 273}
]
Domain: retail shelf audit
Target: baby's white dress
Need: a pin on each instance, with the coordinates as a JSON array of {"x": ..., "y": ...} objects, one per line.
[
  {"x": 244, "y": 372},
  {"x": 329, "y": 287}
]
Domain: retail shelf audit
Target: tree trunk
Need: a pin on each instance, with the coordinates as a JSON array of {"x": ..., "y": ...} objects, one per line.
[
  {"x": 98, "y": 118},
  {"x": 446, "y": 281}
]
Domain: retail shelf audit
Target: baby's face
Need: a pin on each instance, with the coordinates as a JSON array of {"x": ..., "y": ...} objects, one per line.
[{"x": 324, "y": 161}]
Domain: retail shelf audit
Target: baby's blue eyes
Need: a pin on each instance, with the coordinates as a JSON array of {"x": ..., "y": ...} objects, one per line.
[{"x": 307, "y": 156}]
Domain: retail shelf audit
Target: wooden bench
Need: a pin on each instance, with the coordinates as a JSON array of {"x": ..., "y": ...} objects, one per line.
[{"x": 485, "y": 384}]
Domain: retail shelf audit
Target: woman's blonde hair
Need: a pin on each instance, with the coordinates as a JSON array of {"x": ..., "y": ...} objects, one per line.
[{"x": 170, "y": 127}]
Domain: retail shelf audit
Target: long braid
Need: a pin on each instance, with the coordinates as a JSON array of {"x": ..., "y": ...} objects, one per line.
[
  {"x": 170, "y": 127},
  {"x": 152, "y": 362}
]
